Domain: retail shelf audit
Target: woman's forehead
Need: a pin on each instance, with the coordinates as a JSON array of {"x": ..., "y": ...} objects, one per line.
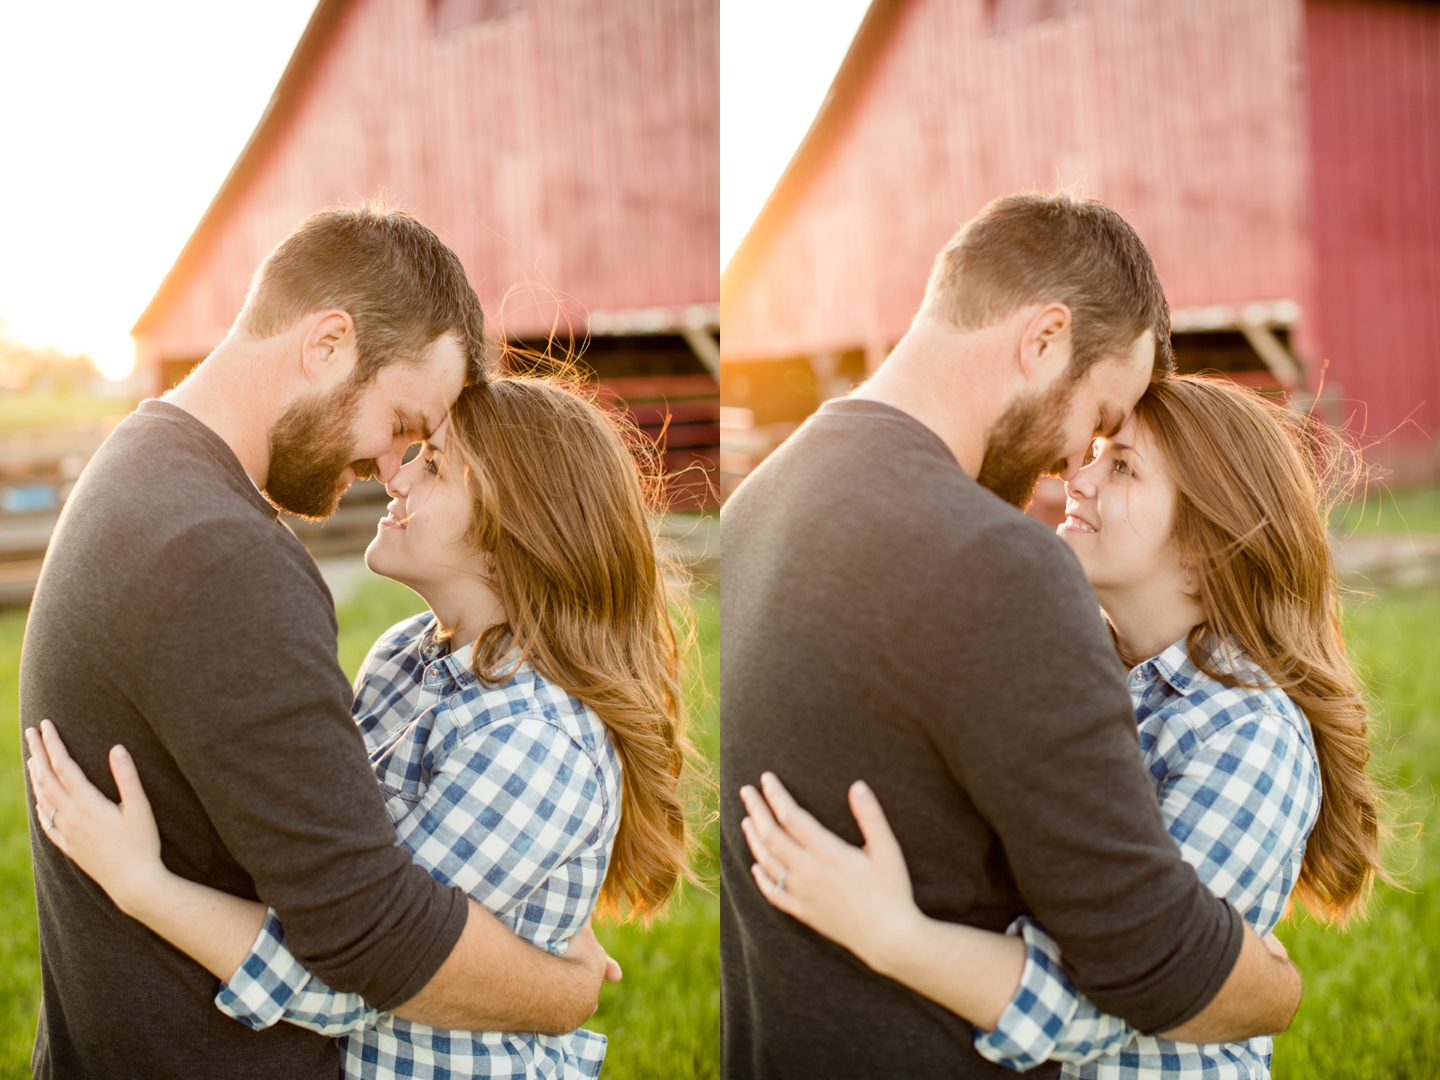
[
  {"x": 1134, "y": 436},
  {"x": 440, "y": 434}
]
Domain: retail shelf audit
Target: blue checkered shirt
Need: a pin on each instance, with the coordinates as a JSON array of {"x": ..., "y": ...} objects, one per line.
[
  {"x": 511, "y": 792},
  {"x": 1239, "y": 787}
]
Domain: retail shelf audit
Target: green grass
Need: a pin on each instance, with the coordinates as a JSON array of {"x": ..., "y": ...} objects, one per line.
[
  {"x": 1389, "y": 512},
  {"x": 1372, "y": 993},
  {"x": 19, "y": 947},
  {"x": 20, "y": 412}
]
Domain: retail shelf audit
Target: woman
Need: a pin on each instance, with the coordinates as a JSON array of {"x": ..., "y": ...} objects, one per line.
[
  {"x": 1200, "y": 526},
  {"x": 527, "y": 730}
]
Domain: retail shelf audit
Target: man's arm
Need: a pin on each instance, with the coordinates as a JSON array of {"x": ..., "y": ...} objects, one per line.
[
  {"x": 524, "y": 987},
  {"x": 249, "y": 701},
  {"x": 1049, "y": 756},
  {"x": 1260, "y": 997}
]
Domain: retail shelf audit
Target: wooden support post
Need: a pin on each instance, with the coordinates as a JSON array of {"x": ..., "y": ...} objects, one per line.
[
  {"x": 703, "y": 346},
  {"x": 1277, "y": 358}
]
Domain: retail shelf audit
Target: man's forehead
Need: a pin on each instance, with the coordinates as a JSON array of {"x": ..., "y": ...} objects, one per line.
[{"x": 421, "y": 393}]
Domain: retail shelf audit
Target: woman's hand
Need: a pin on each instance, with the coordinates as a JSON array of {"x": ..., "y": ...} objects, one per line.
[
  {"x": 858, "y": 897},
  {"x": 118, "y": 846}
]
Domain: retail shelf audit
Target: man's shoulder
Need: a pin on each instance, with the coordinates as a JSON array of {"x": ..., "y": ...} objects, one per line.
[{"x": 165, "y": 489}]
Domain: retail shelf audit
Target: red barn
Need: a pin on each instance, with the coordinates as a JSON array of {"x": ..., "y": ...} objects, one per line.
[
  {"x": 1280, "y": 158},
  {"x": 568, "y": 150}
]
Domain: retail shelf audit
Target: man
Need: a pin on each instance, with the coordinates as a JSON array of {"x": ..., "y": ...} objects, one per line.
[
  {"x": 177, "y": 616},
  {"x": 886, "y": 616}
]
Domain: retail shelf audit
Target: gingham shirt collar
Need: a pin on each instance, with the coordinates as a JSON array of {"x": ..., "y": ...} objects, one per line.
[
  {"x": 432, "y": 648},
  {"x": 1174, "y": 666}
]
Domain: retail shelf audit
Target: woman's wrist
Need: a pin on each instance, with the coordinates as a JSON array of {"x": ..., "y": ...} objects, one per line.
[
  {"x": 896, "y": 942},
  {"x": 142, "y": 890}
]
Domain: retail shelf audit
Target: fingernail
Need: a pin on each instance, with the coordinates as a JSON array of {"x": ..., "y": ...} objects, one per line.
[
  {"x": 767, "y": 777},
  {"x": 862, "y": 788},
  {"x": 119, "y": 753}
]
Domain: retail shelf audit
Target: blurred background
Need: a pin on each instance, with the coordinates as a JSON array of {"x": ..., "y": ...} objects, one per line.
[
  {"x": 151, "y": 154},
  {"x": 1281, "y": 161}
]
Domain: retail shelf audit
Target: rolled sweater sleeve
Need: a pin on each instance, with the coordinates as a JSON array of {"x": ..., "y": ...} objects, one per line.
[
  {"x": 247, "y": 696},
  {"x": 1050, "y": 757}
]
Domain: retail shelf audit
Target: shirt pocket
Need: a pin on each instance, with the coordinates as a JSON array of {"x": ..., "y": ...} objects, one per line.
[{"x": 401, "y": 767}]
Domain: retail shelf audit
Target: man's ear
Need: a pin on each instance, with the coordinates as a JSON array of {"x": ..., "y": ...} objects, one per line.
[
  {"x": 1045, "y": 344},
  {"x": 328, "y": 349}
]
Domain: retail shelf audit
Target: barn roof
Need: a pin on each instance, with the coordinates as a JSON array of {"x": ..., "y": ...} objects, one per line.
[
  {"x": 867, "y": 44},
  {"x": 311, "y": 46},
  {"x": 566, "y": 150},
  {"x": 940, "y": 106}
]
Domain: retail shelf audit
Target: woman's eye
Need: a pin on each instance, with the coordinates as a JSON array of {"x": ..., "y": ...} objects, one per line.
[
  {"x": 432, "y": 466},
  {"x": 1122, "y": 466}
]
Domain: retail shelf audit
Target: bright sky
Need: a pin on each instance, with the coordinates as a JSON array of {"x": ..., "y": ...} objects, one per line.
[
  {"x": 118, "y": 122},
  {"x": 777, "y": 59}
]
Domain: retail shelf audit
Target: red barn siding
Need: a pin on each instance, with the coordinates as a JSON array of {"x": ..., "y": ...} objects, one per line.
[
  {"x": 572, "y": 146},
  {"x": 1374, "y": 98},
  {"x": 1186, "y": 117}
]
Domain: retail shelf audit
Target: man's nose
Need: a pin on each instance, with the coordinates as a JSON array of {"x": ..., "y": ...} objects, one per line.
[
  {"x": 1073, "y": 464},
  {"x": 387, "y": 465}
]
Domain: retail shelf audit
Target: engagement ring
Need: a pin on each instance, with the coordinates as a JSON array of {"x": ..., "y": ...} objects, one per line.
[
  {"x": 50, "y": 822},
  {"x": 779, "y": 881}
]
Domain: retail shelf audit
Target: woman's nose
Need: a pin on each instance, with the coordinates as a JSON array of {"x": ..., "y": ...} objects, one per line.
[
  {"x": 1082, "y": 484},
  {"x": 398, "y": 486}
]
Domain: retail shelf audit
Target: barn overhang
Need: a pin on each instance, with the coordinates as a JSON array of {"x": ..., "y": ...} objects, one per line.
[{"x": 696, "y": 323}]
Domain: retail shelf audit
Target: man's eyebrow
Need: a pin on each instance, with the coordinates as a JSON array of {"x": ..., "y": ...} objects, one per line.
[{"x": 411, "y": 424}]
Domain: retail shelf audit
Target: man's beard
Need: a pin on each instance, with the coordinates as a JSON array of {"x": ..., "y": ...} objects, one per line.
[
  {"x": 310, "y": 448},
  {"x": 1026, "y": 443}
]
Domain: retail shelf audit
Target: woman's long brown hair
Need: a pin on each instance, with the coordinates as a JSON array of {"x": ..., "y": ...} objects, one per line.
[
  {"x": 1250, "y": 510},
  {"x": 561, "y": 505}
]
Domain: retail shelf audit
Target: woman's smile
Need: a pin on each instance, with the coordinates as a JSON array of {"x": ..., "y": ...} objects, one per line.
[{"x": 1075, "y": 523}]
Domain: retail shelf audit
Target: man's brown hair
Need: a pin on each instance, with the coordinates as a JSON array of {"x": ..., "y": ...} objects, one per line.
[
  {"x": 1055, "y": 248},
  {"x": 399, "y": 282}
]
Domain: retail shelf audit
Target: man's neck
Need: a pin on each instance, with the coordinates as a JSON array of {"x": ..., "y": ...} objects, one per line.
[
  {"x": 937, "y": 376},
  {"x": 225, "y": 394}
]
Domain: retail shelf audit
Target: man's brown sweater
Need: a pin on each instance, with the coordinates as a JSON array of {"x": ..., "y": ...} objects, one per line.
[{"x": 177, "y": 616}]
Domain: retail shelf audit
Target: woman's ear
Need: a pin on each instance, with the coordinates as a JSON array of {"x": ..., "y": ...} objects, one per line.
[{"x": 1190, "y": 567}]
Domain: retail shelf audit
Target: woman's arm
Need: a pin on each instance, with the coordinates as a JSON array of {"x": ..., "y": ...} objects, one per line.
[
  {"x": 119, "y": 846},
  {"x": 1010, "y": 986},
  {"x": 861, "y": 898}
]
